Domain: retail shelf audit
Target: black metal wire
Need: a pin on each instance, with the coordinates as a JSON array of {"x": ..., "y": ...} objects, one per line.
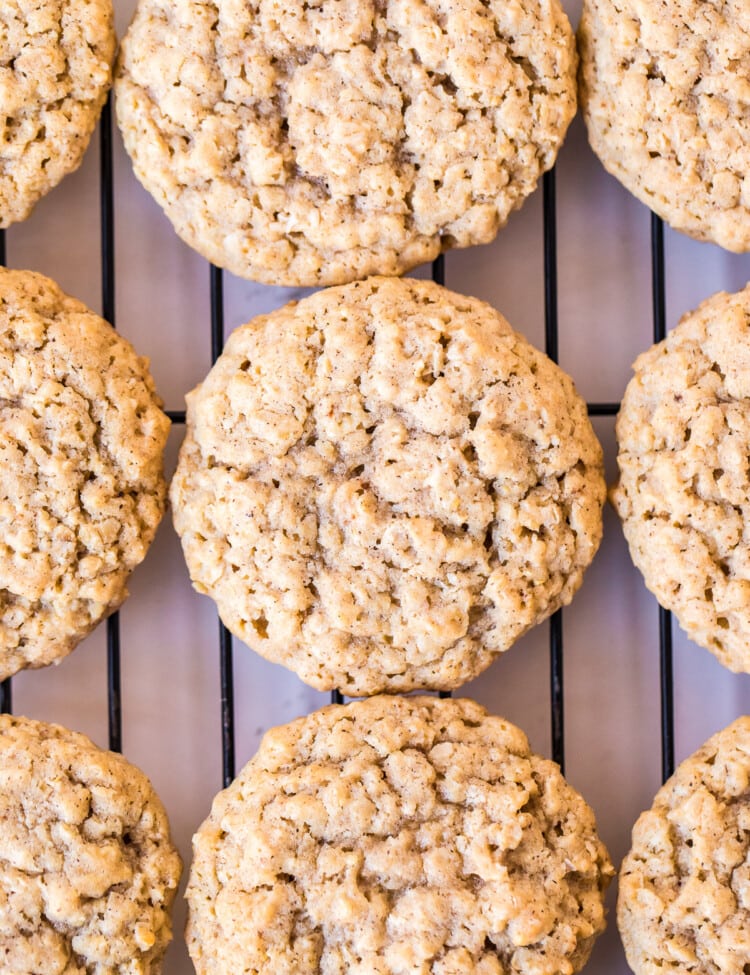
[
  {"x": 666, "y": 674},
  {"x": 226, "y": 652},
  {"x": 666, "y": 680},
  {"x": 107, "y": 212},
  {"x": 603, "y": 409},
  {"x": 107, "y": 232},
  {"x": 217, "y": 312},
  {"x": 438, "y": 269},
  {"x": 114, "y": 683},
  {"x": 557, "y": 697}
]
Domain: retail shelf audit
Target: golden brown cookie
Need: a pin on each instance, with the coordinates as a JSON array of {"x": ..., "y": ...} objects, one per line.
[
  {"x": 315, "y": 143},
  {"x": 384, "y": 486},
  {"x": 55, "y": 70},
  {"x": 684, "y": 902},
  {"x": 665, "y": 92},
  {"x": 397, "y": 835},
  {"x": 88, "y": 872},
  {"x": 684, "y": 490},
  {"x": 82, "y": 487}
]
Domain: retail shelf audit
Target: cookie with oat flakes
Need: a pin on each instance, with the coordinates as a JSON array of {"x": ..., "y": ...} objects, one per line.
[
  {"x": 684, "y": 900},
  {"x": 88, "y": 871},
  {"x": 397, "y": 835},
  {"x": 55, "y": 71},
  {"x": 665, "y": 93},
  {"x": 82, "y": 487},
  {"x": 684, "y": 490},
  {"x": 316, "y": 143}
]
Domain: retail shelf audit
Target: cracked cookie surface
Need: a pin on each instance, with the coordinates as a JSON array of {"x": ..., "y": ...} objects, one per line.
[
  {"x": 82, "y": 488},
  {"x": 665, "y": 92},
  {"x": 88, "y": 872},
  {"x": 684, "y": 491},
  {"x": 55, "y": 70},
  {"x": 383, "y": 486},
  {"x": 397, "y": 835},
  {"x": 684, "y": 901},
  {"x": 315, "y": 143}
]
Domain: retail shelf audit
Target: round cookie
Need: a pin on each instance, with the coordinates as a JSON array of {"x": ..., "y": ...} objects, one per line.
[
  {"x": 665, "y": 92},
  {"x": 684, "y": 491},
  {"x": 384, "y": 486},
  {"x": 55, "y": 70},
  {"x": 316, "y": 143},
  {"x": 88, "y": 872},
  {"x": 82, "y": 488},
  {"x": 684, "y": 900},
  {"x": 397, "y": 835}
]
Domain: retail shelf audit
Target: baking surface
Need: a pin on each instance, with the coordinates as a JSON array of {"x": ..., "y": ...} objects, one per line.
[{"x": 170, "y": 657}]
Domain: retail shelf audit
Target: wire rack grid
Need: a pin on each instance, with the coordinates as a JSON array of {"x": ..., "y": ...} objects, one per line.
[{"x": 440, "y": 270}]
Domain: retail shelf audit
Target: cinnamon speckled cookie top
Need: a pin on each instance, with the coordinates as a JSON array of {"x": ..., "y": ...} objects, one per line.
[
  {"x": 315, "y": 143},
  {"x": 684, "y": 490},
  {"x": 397, "y": 835},
  {"x": 665, "y": 91},
  {"x": 88, "y": 872},
  {"x": 82, "y": 488},
  {"x": 55, "y": 70},
  {"x": 384, "y": 486},
  {"x": 684, "y": 902}
]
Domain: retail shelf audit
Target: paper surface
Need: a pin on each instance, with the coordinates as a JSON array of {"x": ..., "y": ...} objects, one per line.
[{"x": 170, "y": 669}]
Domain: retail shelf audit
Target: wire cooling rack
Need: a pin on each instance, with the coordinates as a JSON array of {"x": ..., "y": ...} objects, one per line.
[
  {"x": 216, "y": 325},
  {"x": 564, "y": 652}
]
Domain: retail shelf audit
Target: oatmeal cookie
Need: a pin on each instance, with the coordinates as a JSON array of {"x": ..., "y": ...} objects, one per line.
[
  {"x": 684, "y": 902},
  {"x": 82, "y": 489},
  {"x": 55, "y": 70},
  {"x": 397, "y": 835},
  {"x": 684, "y": 491},
  {"x": 665, "y": 92},
  {"x": 88, "y": 872},
  {"x": 309, "y": 143},
  {"x": 384, "y": 486}
]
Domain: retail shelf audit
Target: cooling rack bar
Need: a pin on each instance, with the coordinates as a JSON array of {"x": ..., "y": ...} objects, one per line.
[
  {"x": 226, "y": 677},
  {"x": 667, "y": 692},
  {"x": 666, "y": 679},
  {"x": 603, "y": 409},
  {"x": 557, "y": 698},
  {"x": 226, "y": 656},
  {"x": 549, "y": 210},
  {"x": 107, "y": 231},
  {"x": 107, "y": 212}
]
